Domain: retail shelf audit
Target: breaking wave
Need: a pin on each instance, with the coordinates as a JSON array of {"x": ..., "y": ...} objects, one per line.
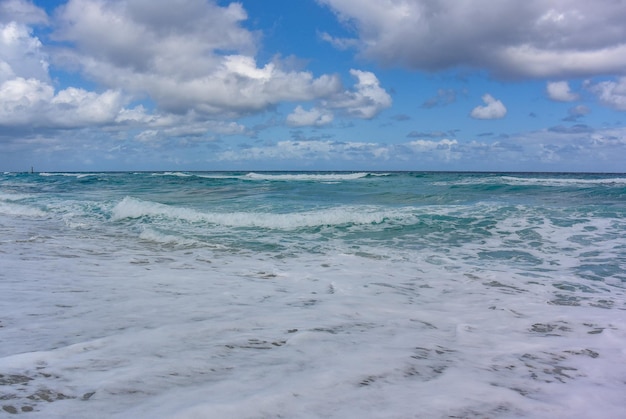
[{"x": 133, "y": 208}]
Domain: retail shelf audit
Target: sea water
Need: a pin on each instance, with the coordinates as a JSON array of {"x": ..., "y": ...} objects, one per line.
[{"x": 303, "y": 295}]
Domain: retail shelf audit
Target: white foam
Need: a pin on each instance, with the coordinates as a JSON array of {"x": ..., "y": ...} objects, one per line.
[
  {"x": 132, "y": 208},
  {"x": 142, "y": 317},
  {"x": 558, "y": 181},
  {"x": 8, "y": 208},
  {"x": 175, "y": 174},
  {"x": 555, "y": 181},
  {"x": 13, "y": 196},
  {"x": 325, "y": 177},
  {"x": 250, "y": 336},
  {"x": 158, "y": 237},
  {"x": 76, "y": 175}
]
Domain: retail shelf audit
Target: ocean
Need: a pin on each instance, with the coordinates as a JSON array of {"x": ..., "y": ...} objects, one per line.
[{"x": 306, "y": 295}]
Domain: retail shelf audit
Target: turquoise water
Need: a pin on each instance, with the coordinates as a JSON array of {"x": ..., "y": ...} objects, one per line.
[{"x": 174, "y": 294}]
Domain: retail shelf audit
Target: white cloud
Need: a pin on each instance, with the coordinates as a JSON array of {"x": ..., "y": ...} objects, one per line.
[
  {"x": 493, "y": 109},
  {"x": 78, "y": 107},
  {"x": 33, "y": 102},
  {"x": 187, "y": 132},
  {"x": 6, "y": 72},
  {"x": 175, "y": 56},
  {"x": 445, "y": 149},
  {"x": 324, "y": 150},
  {"x": 560, "y": 91},
  {"x": 22, "y": 100},
  {"x": 366, "y": 100},
  {"x": 309, "y": 152},
  {"x": 611, "y": 93},
  {"x": 542, "y": 150},
  {"x": 339, "y": 43},
  {"x": 282, "y": 150},
  {"x": 529, "y": 61},
  {"x": 29, "y": 103},
  {"x": 21, "y": 53},
  {"x": 429, "y": 145},
  {"x": 175, "y": 39},
  {"x": 534, "y": 38},
  {"x": 21, "y": 11},
  {"x": 314, "y": 117}
]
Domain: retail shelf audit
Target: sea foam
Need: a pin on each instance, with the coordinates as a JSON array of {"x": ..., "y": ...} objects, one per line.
[
  {"x": 132, "y": 208},
  {"x": 9, "y": 208},
  {"x": 307, "y": 176},
  {"x": 408, "y": 295}
]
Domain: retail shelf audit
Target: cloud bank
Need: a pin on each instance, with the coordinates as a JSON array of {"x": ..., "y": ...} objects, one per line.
[
  {"x": 123, "y": 80},
  {"x": 187, "y": 61},
  {"x": 510, "y": 38}
]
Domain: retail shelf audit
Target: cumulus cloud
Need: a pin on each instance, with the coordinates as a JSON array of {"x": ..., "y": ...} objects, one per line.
[
  {"x": 313, "y": 117},
  {"x": 33, "y": 102},
  {"x": 283, "y": 150},
  {"x": 560, "y": 91},
  {"x": 21, "y": 53},
  {"x": 366, "y": 100},
  {"x": 339, "y": 43},
  {"x": 175, "y": 55},
  {"x": 611, "y": 93},
  {"x": 444, "y": 150},
  {"x": 534, "y": 38},
  {"x": 27, "y": 97},
  {"x": 175, "y": 38},
  {"x": 21, "y": 100},
  {"x": 157, "y": 132},
  {"x": 428, "y": 145},
  {"x": 80, "y": 107},
  {"x": 192, "y": 61},
  {"x": 493, "y": 109},
  {"x": 22, "y": 11},
  {"x": 308, "y": 151}
]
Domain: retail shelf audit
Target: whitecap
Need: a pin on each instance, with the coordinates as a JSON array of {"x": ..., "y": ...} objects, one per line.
[
  {"x": 20, "y": 210},
  {"x": 133, "y": 208},
  {"x": 307, "y": 176},
  {"x": 558, "y": 181}
]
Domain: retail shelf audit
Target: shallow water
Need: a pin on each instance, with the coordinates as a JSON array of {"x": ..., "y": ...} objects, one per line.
[{"x": 385, "y": 295}]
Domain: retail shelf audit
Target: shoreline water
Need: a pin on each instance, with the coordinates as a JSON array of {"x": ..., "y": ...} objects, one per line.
[{"x": 444, "y": 294}]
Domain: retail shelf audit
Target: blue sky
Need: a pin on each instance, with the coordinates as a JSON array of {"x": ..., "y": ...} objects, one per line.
[{"x": 89, "y": 85}]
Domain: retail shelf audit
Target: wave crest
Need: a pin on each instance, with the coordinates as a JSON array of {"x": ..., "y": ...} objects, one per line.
[
  {"x": 12, "y": 209},
  {"x": 132, "y": 208},
  {"x": 563, "y": 181},
  {"x": 324, "y": 177}
]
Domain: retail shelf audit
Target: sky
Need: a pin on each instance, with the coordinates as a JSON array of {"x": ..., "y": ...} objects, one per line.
[{"x": 476, "y": 85}]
